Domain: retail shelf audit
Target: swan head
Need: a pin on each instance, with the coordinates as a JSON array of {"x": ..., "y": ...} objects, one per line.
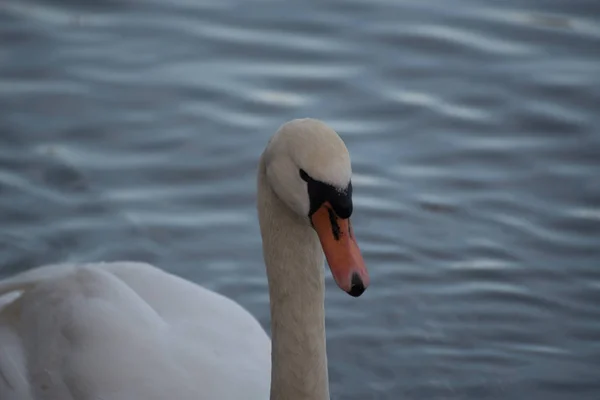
[{"x": 308, "y": 167}]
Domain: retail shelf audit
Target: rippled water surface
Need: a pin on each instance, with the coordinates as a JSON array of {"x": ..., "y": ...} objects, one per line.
[{"x": 132, "y": 129}]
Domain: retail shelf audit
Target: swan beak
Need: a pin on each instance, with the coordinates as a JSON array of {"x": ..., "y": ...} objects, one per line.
[{"x": 341, "y": 250}]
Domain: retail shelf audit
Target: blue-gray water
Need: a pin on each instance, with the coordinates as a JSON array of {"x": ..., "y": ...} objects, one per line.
[{"x": 131, "y": 130}]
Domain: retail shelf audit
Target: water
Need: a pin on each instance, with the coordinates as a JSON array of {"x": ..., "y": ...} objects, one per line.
[{"x": 131, "y": 130}]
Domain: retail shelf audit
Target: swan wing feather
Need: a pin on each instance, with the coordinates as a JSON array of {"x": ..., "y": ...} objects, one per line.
[{"x": 125, "y": 331}]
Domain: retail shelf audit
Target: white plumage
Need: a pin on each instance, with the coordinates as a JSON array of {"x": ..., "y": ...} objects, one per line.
[
  {"x": 130, "y": 331},
  {"x": 124, "y": 331}
]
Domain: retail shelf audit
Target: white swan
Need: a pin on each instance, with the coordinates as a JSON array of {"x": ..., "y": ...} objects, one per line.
[{"x": 129, "y": 331}]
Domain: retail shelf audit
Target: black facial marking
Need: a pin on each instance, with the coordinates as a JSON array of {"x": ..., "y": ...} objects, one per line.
[
  {"x": 304, "y": 175},
  {"x": 319, "y": 192},
  {"x": 335, "y": 228}
]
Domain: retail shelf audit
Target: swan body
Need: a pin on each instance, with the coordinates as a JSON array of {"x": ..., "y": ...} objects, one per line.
[{"x": 128, "y": 331}]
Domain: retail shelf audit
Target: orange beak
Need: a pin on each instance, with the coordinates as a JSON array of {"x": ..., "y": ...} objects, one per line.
[{"x": 341, "y": 250}]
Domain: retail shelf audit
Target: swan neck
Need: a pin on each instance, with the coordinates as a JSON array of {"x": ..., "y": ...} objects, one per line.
[{"x": 294, "y": 262}]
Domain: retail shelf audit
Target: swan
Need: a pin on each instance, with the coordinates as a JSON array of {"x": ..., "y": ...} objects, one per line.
[{"x": 129, "y": 330}]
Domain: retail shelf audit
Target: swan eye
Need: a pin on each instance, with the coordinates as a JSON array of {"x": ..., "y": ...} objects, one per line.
[{"x": 304, "y": 175}]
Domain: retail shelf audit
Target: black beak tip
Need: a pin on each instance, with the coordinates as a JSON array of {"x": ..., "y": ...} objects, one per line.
[{"x": 357, "y": 286}]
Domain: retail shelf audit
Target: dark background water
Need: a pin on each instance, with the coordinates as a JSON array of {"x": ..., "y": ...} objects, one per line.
[{"x": 132, "y": 129}]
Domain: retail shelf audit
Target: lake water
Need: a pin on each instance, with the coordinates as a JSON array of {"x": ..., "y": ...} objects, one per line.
[{"x": 132, "y": 130}]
